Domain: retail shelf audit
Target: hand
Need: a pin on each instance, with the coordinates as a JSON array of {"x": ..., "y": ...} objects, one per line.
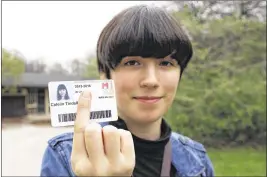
[{"x": 98, "y": 151}]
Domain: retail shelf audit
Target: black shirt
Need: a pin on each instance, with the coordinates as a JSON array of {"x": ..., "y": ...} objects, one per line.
[{"x": 149, "y": 154}]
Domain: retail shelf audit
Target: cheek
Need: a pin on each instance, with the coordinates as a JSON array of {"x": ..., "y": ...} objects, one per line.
[
  {"x": 124, "y": 84},
  {"x": 169, "y": 84}
]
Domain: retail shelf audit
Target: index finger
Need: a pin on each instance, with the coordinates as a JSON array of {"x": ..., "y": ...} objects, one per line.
[{"x": 81, "y": 121}]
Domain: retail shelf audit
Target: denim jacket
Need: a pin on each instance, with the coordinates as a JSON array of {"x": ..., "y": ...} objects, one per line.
[{"x": 188, "y": 157}]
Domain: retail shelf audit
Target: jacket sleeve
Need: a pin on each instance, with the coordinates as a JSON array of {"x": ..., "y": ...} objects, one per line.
[
  {"x": 209, "y": 167},
  {"x": 53, "y": 163}
]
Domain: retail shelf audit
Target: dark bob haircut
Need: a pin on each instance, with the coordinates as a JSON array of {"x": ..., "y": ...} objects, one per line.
[
  {"x": 62, "y": 87},
  {"x": 145, "y": 31}
]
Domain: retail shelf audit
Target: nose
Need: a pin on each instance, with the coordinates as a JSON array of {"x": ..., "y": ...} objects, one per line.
[{"x": 150, "y": 78}]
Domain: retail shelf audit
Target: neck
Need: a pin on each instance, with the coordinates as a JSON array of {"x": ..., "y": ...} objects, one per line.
[{"x": 150, "y": 132}]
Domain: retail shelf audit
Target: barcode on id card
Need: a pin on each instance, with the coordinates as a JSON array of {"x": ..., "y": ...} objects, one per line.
[{"x": 93, "y": 115}]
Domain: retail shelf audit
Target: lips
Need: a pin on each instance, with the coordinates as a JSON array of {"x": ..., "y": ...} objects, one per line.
[{"x": 148, "y": 99}]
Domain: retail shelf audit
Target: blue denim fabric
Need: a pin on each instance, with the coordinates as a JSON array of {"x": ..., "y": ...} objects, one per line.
[{"x": 189, "y": 157}]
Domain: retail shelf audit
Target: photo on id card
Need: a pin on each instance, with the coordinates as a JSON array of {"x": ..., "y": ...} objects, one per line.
[{"x": 62, "y": 92}]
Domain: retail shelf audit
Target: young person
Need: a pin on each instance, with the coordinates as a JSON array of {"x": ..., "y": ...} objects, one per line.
[
  {"x": 62, "y": 93},
  {"x": 145, "y": 51}
]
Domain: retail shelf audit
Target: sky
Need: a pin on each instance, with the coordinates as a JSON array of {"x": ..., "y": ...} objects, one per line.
[{"x": 58, "y": 31}]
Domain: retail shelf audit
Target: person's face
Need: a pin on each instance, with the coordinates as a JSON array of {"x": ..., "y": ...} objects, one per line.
[
  {"x": 62, "y": 92},
  {"x": 145, "y": 88}
]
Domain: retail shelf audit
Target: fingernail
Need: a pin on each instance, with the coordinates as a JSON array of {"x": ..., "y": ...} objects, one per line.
[{"x": 86, "y": 95}]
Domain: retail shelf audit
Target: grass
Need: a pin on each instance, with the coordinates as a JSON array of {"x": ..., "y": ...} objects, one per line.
[{"x": 239, "y": 161}]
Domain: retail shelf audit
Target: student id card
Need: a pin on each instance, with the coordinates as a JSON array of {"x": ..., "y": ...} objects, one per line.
[{"x": 64, "y": 95}]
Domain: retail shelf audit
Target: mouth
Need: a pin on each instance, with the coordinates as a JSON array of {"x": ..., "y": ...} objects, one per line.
[{"x": 148, "y": 99}]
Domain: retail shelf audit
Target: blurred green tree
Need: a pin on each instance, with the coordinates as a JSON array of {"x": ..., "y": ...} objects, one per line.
[
  {"x": 222, "y": 95},
  {"x": 91, "y": 70},
  {"x": 12, "y": 68}
]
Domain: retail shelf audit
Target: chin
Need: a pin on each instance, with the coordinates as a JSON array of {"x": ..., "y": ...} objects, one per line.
[
  {"x": 141, "y": 115},
  {"x": 147, "y": 117}
]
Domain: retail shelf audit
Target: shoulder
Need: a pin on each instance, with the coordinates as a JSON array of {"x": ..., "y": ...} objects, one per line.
[
  {"x": 191, "y": 147},
  {"x": 64, "y": 139},
  {"x": 194, "y": 149},
  {"x": 62, "y": 145},
  {"x": 186, "y": 141},
  {"x": 56, "y": 158}
]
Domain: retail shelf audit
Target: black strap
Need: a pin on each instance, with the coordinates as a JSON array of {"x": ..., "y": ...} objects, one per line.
[{"x": 167, "y": 158}]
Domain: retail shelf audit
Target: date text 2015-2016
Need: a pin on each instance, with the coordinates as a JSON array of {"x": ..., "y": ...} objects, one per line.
[{"x": 82, "y": 86}]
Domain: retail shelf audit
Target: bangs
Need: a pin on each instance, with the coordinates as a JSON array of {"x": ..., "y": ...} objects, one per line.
[
  {"x": 61, "y": 87},
  {"x": 143, "y": 31}
]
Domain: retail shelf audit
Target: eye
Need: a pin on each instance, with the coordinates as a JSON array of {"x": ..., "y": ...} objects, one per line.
[
  {"x": 166, "y": 63},
  {"x": 131, "y": 63}
]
